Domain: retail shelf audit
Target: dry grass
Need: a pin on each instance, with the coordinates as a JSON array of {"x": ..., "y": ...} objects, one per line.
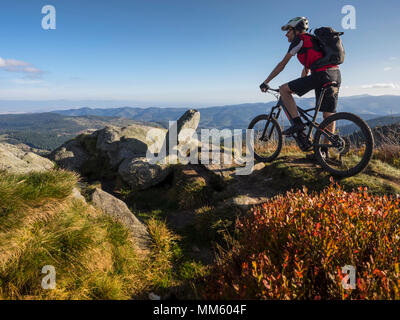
[
  {"x": 291, "y": 148},
  {"x": 93, "y": 255},
  {"x": 162, "y": 237},
  {"x": 388, "y": 153}
]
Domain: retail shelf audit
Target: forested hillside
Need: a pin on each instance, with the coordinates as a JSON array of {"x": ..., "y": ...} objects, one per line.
[{"x": 47, "y": 131}]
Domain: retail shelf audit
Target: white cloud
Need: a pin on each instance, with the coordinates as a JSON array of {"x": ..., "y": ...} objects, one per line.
[
  {"x": 387, "y": 69},
  {"x": 26, "y": 81},
  {"x": 12, "y": 65},
  {"x": 392, "y": 58},
  {"x": 379, "y": 86}
]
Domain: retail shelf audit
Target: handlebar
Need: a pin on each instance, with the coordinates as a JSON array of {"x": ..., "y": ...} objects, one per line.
[{"x": 265, "y": 88}]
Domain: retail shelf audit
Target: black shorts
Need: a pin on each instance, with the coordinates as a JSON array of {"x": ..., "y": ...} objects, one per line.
[{"x": 315, "y": 81}]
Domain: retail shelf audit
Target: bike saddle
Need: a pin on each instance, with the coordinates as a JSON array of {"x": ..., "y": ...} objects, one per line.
[{"x": 330, "y": 84}]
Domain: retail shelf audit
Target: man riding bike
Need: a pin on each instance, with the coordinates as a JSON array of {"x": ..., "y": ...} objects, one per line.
[{"x": 307, "y": 50}]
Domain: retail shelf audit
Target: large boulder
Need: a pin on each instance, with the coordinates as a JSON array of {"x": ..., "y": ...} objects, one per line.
[
  {"x": 188, "y": 122},
  {"x": 124, "y": 143},
  {"x": 71, "y": 155},
  {"x": 140, "y": 174},
  {"x": 15, "y": 160},
  {"x": 183, "y": 128},
  {"x": 118, "y": 210}
]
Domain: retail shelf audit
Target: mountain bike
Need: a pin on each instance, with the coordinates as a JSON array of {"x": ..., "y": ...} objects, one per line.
[{"x": 344, "y": 153}]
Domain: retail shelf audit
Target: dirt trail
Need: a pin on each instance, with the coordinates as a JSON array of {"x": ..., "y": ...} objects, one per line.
[{"x": 247, "y": 190}]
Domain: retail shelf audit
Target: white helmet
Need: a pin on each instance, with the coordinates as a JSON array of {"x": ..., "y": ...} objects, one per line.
[{"x": 299, "y": 23}]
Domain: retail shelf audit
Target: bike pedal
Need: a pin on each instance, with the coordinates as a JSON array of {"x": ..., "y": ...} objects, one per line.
[{"x": 308, "y": 147}]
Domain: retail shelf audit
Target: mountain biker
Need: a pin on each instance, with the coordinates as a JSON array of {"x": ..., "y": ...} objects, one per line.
[{"x": 303, "y": 45}]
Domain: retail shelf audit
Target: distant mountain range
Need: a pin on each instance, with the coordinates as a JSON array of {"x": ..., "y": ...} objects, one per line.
[{"x": 239, "y": 116}]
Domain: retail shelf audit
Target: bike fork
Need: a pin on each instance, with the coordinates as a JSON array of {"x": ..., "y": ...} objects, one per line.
[{"x": 272, "y": 114}]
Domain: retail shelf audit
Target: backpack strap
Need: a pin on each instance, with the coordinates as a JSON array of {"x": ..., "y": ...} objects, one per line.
[
  {"x": 306, "y": 49},
  {"x": 305, "y": 61}
]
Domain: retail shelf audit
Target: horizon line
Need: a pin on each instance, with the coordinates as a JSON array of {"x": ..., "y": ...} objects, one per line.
[{"x": 66, "y": 108}]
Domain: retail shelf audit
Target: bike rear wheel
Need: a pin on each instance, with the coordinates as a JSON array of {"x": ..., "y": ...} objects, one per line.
[
  {"x": 349, "y": 148},
  {"x": 267, "y": 139}
]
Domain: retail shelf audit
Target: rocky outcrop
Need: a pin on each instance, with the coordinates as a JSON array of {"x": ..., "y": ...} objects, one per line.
[
  {"x": 15, "y": 160},
  {"x": 123, "y": 151},
  {"x": 119, "y": 211}
]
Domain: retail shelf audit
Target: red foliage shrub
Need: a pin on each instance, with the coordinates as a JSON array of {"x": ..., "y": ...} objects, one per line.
[{"x": 295, "y": 245}]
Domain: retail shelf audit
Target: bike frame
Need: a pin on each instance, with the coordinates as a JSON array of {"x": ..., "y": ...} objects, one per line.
[{"x": 310, "y": 119}]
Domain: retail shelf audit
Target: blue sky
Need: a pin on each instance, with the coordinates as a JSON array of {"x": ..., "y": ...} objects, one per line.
[{"x": 182, "y": 53}]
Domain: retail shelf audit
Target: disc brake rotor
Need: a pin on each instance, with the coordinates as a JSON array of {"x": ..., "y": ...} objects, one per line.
[{"x": 345, "y": 146}]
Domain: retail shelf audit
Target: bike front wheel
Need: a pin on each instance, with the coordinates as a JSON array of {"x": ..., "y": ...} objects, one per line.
[
  {"x": 349, "y": 148},
  {"x": 267, "y": 138}
]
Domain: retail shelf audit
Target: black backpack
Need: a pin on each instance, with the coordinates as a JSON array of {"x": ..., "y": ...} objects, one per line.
[{"x": 331, "y": 45}]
